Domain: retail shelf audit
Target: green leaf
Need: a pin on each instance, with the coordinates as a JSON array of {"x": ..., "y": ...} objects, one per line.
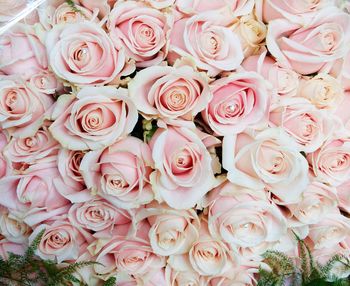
[{"x": 110, "y": 282}]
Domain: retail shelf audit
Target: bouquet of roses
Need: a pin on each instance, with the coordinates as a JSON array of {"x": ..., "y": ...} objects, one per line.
[{"x": 174, "y": 142}]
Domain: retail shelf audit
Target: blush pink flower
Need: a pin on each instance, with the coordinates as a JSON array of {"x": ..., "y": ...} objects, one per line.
[
  {"x": 95, "y": 118},
  {"x": 13, "y": 247}
]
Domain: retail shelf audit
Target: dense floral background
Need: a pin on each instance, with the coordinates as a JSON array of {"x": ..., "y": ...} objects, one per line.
[{"x": 175, "y": 141}]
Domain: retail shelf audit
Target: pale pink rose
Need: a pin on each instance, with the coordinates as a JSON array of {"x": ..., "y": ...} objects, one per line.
[
  {"x": 93, "y": 119},
  {"x": 33, "y": 194},
  {"x": 102, "y": 7},
  {"x": 120, "y": 173},
  {"x": 64, "y": 14},
  {"x": 154, "y": 278},
  {"x": 142, "y": 30},
  {"x": 60, "y": 242},
  {"x": 307, "y": 126},
  {"x": 187, "y": 276},
  {"x": 170, "y": 93},
  {"x": 317, "y": 201},
  {"x": 172, "y": 231},
  {"x": 299, "y": 11},
  {"x": 97, "y": 215},
  {"x": 21, "y": 108},
  {"x": 236, "y": 7},
  {"x": 308, "y": 49},
  {"x": 10, "y": 8},
  {"x": 46, "y": 82},
  {"x": 205, "y": 39},
  {"x": 329, "y": 232},
  {"x": 239, "y": 101},
  {"x": 21, "y": 52},
  {"x": 331, "y": 162},
  {"x": 322, "y": 90},
  {"x": 31, "y": 149},
  {"x": 342, "y": 111},
  {"x": 8, "y": 246},
  {"x": 12, "y": 227},
  {"x": 345, "y": 73},
  {"x": 68, "y": 162},
  {"x": 285, "y": 81},
  {"x": 160, "y": 4},
  {"x": 344, "y": 197},
  {"x": 267, "y": 160},
  {"x": 244, "y": 219},
  {"x": 210, "y": 256},
  {"x": 3, "y": 163},
  {"x": 83, "y": 54},
  {"x": 183, "y": 172},
  {"x": 128, "y": 255}
]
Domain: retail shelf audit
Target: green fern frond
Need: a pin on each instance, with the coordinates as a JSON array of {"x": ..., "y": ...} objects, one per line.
[{"x": 110, "y": 282}]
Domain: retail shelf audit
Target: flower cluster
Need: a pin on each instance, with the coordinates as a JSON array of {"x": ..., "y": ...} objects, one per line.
[{"x": 245, "y": 106}]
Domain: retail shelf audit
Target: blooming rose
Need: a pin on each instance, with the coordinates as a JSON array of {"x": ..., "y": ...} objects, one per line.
[
  {"x": 21, "y": 108},
  {"x": 206, "y": 40},
  {"x": 12, "y": 227},
  {"x": 268, "y": 160},
  {"x": 251, "y": 33},
  {"x": 343, "y": 196},
  {"x": 236, "y": 7},
  {"x": 64, "y": 14},
  {"x": 120, "y": 173},
  {"x": 169, "y": 92},
  {"x": 94, "y": 119},
  {"x": 317, "y": 201},
  {"x": 10, "y": 8},
  {"x": 97, "y": 215},
  {"x": 60, "y": 242},
  {"x": 32, "y": 194},
  {"x": 142, "y": 30},
  {"x": 308, "y": 126},
  {"x": 21, "y": 52},
  {"x": 308, "y": 49},
  {"x": 299, "y": 11},
  {"x": 330, "y": 231},
  {"x": 240, "y": 217},
  {"x": 45, "y": 82},
  {"x": 9, "y": 246},
  {"x": 3, "y": 163},
  {"x": 323, "y": 90},
  {"x": 83, "y": 54},
  {"x": 172, "y": 231},
  {"x": 239, "y": 101},
  {"x": 331, "y": 162},
  {"x": 183, "y": 172},
  {"x": 187, "y": 276},
  {"x": 33, "y": 148},
  {"x": 285, "y": 81}
]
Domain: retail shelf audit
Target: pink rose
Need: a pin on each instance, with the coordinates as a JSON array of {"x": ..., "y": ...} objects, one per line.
[
  {"x": 236, "y": 7},
  {"x": 308, "y": 49},
  {"x": 267, "y": 160},
  {"x": 308, "y": 126},
  {"x": 239, "y": 101},
  {"x": 69, "y": 168},
  {"x": 102, "y": 7},
  {"x": 183, "y": 172},
  {"x": 169, "y": 92},
  {"x": 205, "y": 39},
  {"x": 10, "y": 8},
  {"x": 293, "y": 10},
  {"x": 343, "y": 196},
  {"x": 345, "y": 73},
  {"x": 285, "y": 81},
  {"x": 244, "y": 218},
  {"x": 60, "y": 242},
  {"x": 46, "y": 82},
  {"x": 21, "y": 52},
  {"x": 21, "y": 108},
  {"x": 97, "y": 215},
  {"x": 8, "y": 246},
  {"x": 142, "y": 30},
  {"x": 83, "y": 54},
  {"x": 95, "y": 118},
  {"x": 64, "y": 14},
  {"x": 188, "y": 276},
  {"x": 160, "y": 4},
  {"x": 331, "y": 162},
  {"x": 318, "y": 200},
  {"x": 120, "y": 173},
  {"x": 33, "y": 193},
  {"x": 172, "y": 231},
  {"x": 3, "y": 162},
  {"x": 12, "y": 227},
  {"x": 30, "y": 149}
]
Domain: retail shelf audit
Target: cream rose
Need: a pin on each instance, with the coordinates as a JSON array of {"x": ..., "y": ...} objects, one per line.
[
  {"x": 267, "y": 160},
  {"x": 12, "y": 227},
  {"x": 176, "y": 277},
  {"x": 239, "y": 101},
  {"x": 170, "y": 92},
  {"x": 95, "y": 118},
  {"x": 142, "y": 30},
  {"x": 183, "y": 172}
]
